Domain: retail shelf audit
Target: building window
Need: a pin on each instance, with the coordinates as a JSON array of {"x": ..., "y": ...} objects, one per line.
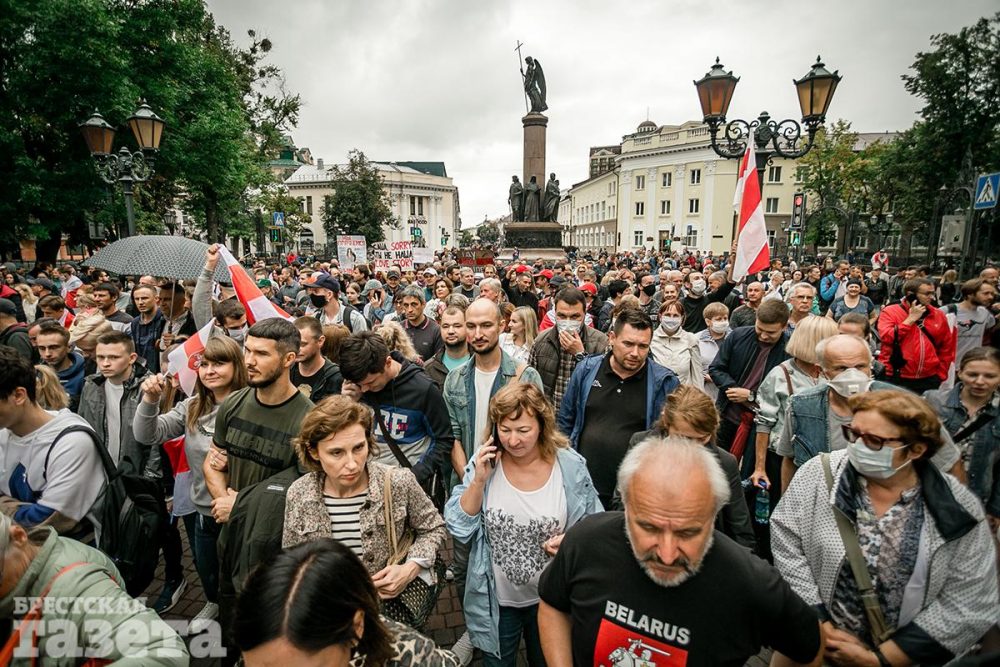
[
  {"x": 691, "y": 238},
  {"x": 772, "y": 204},
  {"x": 668, "y": 178},
  {"x": 309, "y": 205},
  {"x": 640, "y": 208},
  {"x": 800, "y": 174},
  {"x": 413, "y": 205},
  {"x": 774, "y": 175},
  {"x": 770, "y": 238},
  {"x": 640, "y": 182},
  {"x": 604, "y": 210},
  {"x": 695, "y": 176},
  {"x": 665, "y": 207},
  {"x": 302, "y": 204},
  {"x": 694, "y": 205},
  {"x": 637, "y": 237}
]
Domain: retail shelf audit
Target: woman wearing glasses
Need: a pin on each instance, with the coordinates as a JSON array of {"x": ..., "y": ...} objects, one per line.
[{"x": 919, "y": 534}]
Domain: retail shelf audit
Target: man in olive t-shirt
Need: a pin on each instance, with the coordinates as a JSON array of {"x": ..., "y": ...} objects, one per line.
[{"x": 255, "y": 425}]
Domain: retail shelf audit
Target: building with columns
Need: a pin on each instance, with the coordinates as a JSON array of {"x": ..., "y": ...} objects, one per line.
[
  {"x": 669, "y": 189},
  {"x": 423, "y": 198}
]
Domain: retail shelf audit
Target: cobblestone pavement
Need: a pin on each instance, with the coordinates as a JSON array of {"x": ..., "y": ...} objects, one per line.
[{"x": 445, "y": 626}]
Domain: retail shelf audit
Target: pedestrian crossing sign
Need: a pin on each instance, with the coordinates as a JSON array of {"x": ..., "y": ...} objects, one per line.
[{"x": 986, "y": 191}]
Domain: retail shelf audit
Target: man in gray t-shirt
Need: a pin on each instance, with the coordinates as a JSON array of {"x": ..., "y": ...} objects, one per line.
[{"x": 973, "y": 320}]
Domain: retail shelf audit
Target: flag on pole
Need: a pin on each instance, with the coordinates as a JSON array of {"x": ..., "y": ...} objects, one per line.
[
  {"x": 752, "y": 253},
  {"x": 183, "y": 360},
  {"x": 258, "y": 306}
]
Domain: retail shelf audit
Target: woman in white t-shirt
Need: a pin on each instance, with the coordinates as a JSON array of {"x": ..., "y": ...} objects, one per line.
[
  {"x": 523, "y": 329},
  {"x": 514, "y": 505}
]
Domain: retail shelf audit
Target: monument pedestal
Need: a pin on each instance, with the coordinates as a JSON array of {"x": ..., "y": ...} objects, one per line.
[{"x": 535, "y": 239}]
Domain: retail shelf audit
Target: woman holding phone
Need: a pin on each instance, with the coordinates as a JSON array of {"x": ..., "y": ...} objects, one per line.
[{"x": 522, "y": 490}]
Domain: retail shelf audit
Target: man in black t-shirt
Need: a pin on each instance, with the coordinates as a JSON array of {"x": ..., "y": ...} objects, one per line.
[
  {"x": 658, "y": 586},
  {"x": 313, "y": 374}
]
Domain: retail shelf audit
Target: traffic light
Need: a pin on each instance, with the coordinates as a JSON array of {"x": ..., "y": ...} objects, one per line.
[
  {"x": 275, "y": 235},
  {"x": 796, "y": 238},
  {"x": 798, "y": 209}
]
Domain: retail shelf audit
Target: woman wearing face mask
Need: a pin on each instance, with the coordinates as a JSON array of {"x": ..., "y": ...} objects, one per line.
[
  {"x": 920, "y": 535},
  {"x": 221, "y": 372},
  {"x": 709, "y": 339},
  {"x": 675, "y": 348},
  {"x": 970, "y": 412}
]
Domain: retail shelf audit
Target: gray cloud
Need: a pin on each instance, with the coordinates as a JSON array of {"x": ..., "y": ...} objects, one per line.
[{"x": 438, "y": 80}]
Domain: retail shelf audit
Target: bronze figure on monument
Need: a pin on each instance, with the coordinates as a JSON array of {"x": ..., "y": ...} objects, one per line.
[
  {"x": 515, "y": 198},
  {"x": 534, "y": 85},
  {"x": 532, "y": 210},
  {"x": 550, "y": 208}
]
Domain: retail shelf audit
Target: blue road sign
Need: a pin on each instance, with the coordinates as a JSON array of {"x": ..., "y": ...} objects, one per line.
[
  {"x": 278, "y": 219},
  {"x": 986, "y": 191}
]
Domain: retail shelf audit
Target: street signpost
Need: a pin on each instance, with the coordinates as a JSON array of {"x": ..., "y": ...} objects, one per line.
[
  {"x": 987, "y": 188},
  {"x": 278, "y": 219}
]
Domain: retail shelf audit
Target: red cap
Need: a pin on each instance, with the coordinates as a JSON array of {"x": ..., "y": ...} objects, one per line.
[
  {"x": 590, "y": 288},
  {"x": 545, "y": 273},
  {"x": 521, "y": 268}
]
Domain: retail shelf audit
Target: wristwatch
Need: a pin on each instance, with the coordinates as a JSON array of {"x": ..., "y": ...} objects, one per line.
[
  {"x": 882, "y": 661},
  {"x": 579, "y": 356},
  {"x": 752, "y": 398}
]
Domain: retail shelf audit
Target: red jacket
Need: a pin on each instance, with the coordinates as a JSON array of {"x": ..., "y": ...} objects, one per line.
[{"x": 928, "y": 347}]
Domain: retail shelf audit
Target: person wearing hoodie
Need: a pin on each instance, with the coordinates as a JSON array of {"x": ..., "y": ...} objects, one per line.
[
  {"x": 695, "y": 297},
  {"x": 11, "y": 294},
  {"x": 410, "y": 409},
  {"x": 54, "y": 350},
  {"x": 51, "y": 478}
]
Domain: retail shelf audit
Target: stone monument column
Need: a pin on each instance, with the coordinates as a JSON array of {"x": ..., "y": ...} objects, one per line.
[{"x": 534, "y": 147}]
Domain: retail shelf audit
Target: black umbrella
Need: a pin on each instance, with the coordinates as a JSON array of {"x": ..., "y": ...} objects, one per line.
[{"x": 174, "y": 257}]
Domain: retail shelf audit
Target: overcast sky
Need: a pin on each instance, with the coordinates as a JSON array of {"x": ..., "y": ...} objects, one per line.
[{"x": 438, "y": 80}]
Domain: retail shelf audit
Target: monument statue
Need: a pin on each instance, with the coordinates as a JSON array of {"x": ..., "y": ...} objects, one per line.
[
  {"x": 534, "y": 85},
  {"x": 550, "y": 209},
  {"x": 531, "y": 201},
  {"x": 515, "y": 198}
]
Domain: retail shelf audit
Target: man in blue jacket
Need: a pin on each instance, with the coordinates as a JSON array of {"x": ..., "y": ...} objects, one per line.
[{"x": 612, "y": 396}]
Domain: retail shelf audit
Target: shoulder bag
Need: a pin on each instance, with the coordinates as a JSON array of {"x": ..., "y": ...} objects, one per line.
[
  {"x": 862, "y": 577},
  {"x": 415, "y": 604}
]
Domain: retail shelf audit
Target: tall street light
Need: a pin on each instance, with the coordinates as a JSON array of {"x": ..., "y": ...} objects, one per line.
[
  {"x": 815, "y": 92},
  {"x": 124, "y": 167}
]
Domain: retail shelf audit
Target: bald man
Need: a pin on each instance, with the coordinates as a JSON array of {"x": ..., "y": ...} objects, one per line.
[{"x": 659, "y": 578}]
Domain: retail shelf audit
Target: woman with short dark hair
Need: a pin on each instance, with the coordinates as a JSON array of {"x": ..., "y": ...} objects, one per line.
[{"x": 316, "y": 604}]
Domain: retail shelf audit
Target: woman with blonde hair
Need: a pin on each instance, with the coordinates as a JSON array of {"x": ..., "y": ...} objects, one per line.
[
  {"x": 49, "y": 391},
  {"x": 334, "y": 335},
  {"x": 344, "y": 494},
  {"x": 523, "y": 330},
  {"x": 396, "y": 339},
  {"x": 220, "y": 373},
  {"x": 522, "y": 490},
  {"x": 791, "y": 376},
  {"x": 83, "y": 335},
  {"x": 28, "y": 301}
]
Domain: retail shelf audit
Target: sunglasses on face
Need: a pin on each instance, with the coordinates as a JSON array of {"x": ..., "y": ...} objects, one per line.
[{"x": 871, "y": 441}]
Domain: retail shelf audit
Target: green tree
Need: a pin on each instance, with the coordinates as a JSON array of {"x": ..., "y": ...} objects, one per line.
[
  {"x": 488, "y": 232},
  {"x": 276, "y": 197},
  {"x": 359, "y": 203},
  {"x": 466, "y": 239},
  {"x": 830, "y": 174}
]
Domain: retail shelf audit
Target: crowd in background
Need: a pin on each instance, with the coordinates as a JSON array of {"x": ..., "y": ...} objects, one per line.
[{"x": 808, "y": 457}]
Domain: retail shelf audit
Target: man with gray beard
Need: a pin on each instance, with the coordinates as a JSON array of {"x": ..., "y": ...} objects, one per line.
[{"x": 657, "y": 583}]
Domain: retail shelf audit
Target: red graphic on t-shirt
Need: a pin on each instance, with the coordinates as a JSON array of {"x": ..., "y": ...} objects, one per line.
[{"x": 618, "y": 646}]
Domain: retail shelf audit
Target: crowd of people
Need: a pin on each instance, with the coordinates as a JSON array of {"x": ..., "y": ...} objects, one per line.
[{"x": 630, "y": 460}]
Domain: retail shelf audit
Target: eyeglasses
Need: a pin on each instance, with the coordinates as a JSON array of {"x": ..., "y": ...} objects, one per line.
[{"x": 871, "y": 441}]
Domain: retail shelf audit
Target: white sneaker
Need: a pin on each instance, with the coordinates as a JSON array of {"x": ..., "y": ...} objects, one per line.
[
  {"x": 203, "y": 620},
  {"x": 463, "y": 648}
]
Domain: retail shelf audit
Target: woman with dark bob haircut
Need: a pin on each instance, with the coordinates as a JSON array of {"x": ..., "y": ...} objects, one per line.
[{"x": 316, "y": 606}]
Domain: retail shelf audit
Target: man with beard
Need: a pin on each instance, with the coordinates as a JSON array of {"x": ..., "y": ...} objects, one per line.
[
  {"x": 255, "y": 425},
  {"x": 658, "y": 580},
  {"x": 456, "y": 349}
]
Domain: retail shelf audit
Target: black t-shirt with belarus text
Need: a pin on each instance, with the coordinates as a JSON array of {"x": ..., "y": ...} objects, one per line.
[{"x": 722, "y": 616}]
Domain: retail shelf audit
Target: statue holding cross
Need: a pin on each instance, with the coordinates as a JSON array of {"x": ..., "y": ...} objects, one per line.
[{"x": 534, "y": 82}]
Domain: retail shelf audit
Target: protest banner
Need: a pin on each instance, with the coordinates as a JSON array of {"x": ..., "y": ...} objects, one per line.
[
  {"x": 423, "y": 255},
  {"x": 397, "y": 253},
  {"x": 351, "y": 250}
]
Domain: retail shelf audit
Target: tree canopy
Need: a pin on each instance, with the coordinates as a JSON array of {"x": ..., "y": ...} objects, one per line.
[{"x": 359, "y": 203}]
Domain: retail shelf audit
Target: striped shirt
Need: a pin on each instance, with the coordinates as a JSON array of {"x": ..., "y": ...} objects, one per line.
[{"x": 345, "y": 520}]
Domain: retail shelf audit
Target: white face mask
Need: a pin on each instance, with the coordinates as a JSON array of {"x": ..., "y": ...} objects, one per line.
[
  {"x": 871, "y": 463},
  {"x": 719, "y": 326},
  {"x": 238, "y": 334},
  {"x": 670, "y": 324},
  {"x": 568, "y": 326},
  {"x": 698, "y": 286},
  {"x": 850, "y": 382}
]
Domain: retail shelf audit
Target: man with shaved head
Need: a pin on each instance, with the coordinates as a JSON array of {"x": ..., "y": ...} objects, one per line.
[
  {"x": 816, "y": 416},
  {"x": 746, "y": 315},
  {"x": 659, "y": 579}
]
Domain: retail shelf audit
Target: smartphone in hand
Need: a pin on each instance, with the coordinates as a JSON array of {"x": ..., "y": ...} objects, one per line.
[{"x": 496, "y": 443}]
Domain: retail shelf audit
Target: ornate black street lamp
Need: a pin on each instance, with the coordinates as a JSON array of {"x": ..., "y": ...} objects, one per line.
[
  {"x": 881, "y": 227},
  {"x": 715, "y": 92},
  {"x": 124, "y": 167}
]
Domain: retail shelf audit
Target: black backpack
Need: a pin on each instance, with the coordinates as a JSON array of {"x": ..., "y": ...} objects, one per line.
[{"x": 132, "y": 514}]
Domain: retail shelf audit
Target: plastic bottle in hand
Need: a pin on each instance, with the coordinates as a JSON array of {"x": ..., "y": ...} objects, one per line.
[{"x": 762, "y": 504}]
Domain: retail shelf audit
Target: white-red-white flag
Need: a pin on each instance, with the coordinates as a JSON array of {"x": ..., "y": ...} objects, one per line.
[
  {"x": 752, "y": 252},
  {"x": 258, "y": 306},
  {"x": 184, "y": 360}
]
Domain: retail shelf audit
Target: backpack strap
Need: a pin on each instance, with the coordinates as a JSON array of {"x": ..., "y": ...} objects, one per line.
[
  {"x": 856, "y": 559},
  {"x": 110, "y": 469},
  {"x": 788, "y": 378}
]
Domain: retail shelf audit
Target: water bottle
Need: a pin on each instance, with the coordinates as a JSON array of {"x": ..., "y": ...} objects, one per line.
[{"x": 762, "y": 505}]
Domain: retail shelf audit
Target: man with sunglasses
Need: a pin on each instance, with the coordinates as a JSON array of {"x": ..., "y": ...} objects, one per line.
[{"x": 816, "y": 416}]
